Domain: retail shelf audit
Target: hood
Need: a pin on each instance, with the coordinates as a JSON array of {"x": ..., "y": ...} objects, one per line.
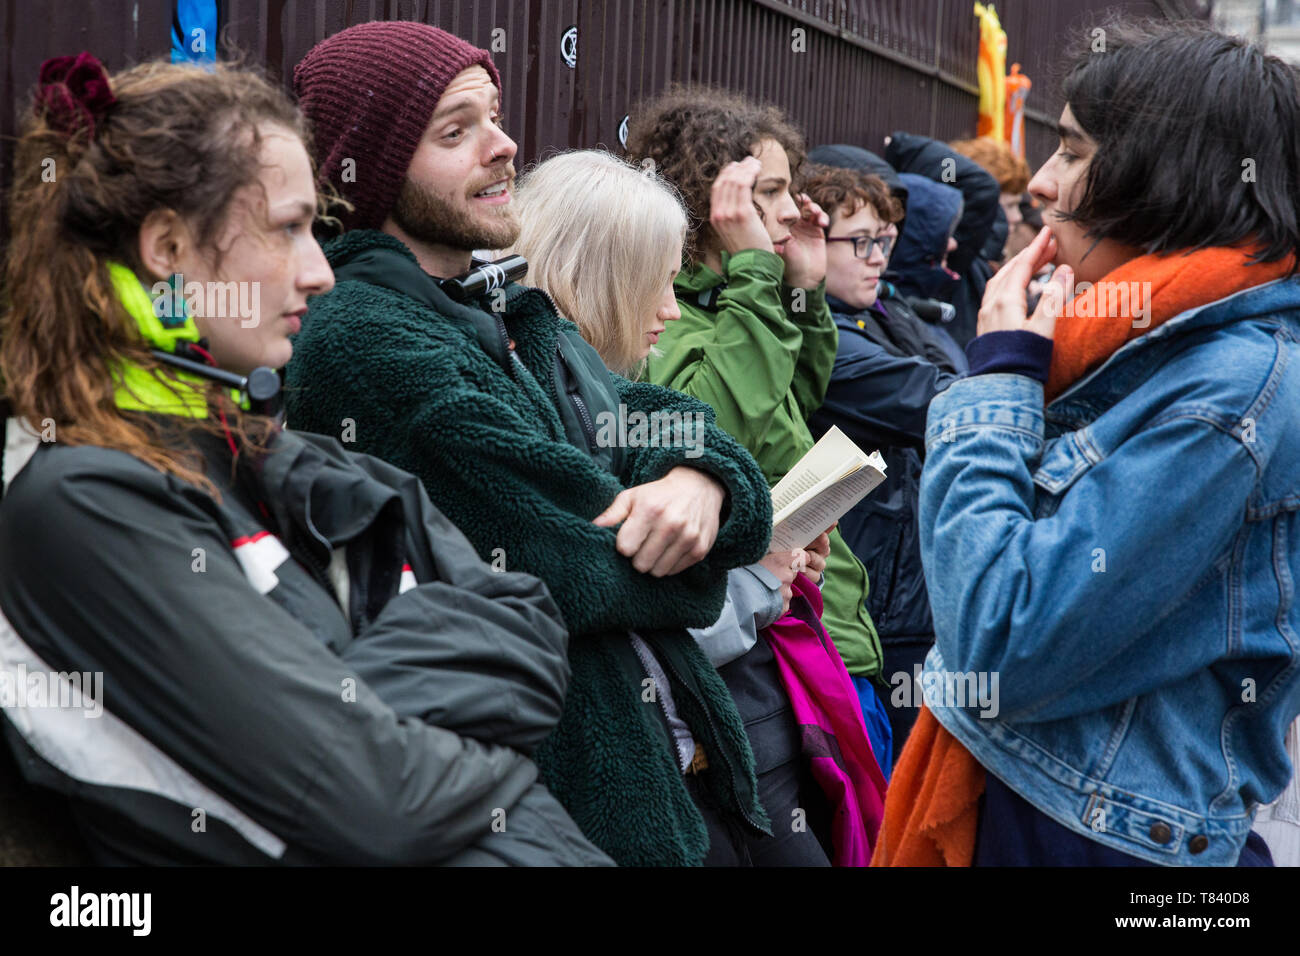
[
  {"x": 695, "y": 281},
  {"x": 932, "y": 212},
  {"x": 996, "y": 242},
  {"x": 862, "y": 160},
  {"x": 937, "y": 161}
]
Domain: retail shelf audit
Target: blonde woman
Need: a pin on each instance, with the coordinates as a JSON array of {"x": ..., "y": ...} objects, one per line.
[{"x": 604, "y": 240}]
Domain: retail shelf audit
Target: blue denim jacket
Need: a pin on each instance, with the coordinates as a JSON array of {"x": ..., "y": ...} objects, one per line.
[{"x": 1120, "y": 572}]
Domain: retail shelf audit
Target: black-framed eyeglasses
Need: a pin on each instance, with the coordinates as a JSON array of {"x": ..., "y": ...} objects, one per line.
[{"x": 862, "y": 244}]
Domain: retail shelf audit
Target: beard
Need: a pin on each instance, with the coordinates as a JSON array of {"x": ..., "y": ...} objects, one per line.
[{"x": 430, "y": 218}]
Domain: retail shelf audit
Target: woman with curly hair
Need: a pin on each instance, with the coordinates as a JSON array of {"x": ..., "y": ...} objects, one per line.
[
  {"x": 756, "y": 339},
  {"x": 288, "y": 642}
]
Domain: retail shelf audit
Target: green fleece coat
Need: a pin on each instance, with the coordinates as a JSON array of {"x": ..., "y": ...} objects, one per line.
[
  {"x": 387, "y": 362},
  {"x": 744, "y": 345}
]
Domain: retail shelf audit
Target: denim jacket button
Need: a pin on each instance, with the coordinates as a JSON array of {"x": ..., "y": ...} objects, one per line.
[
  {"x": 1161, "y": 833},
  {"x": 1198, "y": 843}
]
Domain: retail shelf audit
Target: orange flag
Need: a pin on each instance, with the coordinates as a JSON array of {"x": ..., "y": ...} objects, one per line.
[
  {"x": 1017, "y": 92},
  {"x": 992, "y": 74}
]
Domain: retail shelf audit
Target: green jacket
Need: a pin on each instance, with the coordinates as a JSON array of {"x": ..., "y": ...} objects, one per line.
[
  {"x": 744, "y": 346},
  {"x": 388, "y": 360}
]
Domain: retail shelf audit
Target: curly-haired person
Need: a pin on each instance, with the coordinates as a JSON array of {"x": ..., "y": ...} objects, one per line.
[{"x": 756, "y": 339}]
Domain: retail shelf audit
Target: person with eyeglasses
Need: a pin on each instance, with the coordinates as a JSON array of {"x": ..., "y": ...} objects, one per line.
[
  {"x": 888, "y": 365},
  {"x": 865, "y": 246}
]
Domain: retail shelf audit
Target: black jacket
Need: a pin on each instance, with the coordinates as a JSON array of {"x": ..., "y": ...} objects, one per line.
[
  {"x": 909, "y": 153},
  {"x": 335, "y": 679}
]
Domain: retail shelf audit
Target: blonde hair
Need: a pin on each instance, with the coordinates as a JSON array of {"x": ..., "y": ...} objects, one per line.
[{"x": 601, "y": 237}]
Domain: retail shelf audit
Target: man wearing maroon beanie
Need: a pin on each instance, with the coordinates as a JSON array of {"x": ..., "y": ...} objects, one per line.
[
  {"x": 406, "y": 121},
  {"x": 494, "y": 404}
]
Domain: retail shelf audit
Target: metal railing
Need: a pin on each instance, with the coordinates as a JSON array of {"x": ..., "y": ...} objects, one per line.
[{"x": 858, "y": 69}]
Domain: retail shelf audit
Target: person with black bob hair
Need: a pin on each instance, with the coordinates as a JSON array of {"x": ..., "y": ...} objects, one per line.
[
  {"x": 1204, "y": 155},
  {"x": 1109, "y": 516}
]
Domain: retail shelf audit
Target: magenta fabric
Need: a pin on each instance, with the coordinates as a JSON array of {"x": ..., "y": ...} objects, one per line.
[{"x": 826, "y": 708}]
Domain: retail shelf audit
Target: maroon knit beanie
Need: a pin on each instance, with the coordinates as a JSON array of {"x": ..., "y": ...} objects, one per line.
[{"x": 369, "y": 92}]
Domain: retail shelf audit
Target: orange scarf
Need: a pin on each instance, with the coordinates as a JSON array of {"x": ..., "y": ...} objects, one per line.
[
  {"x": 932, "y": 806},
  {"x": 1102, "y": 318}
]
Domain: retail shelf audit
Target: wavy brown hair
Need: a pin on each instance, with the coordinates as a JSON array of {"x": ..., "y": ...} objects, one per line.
[
  {"x": 997, "y": 159},
  {"x": 842, "y": 192},
  {"x": 179, "y": 137},
  {"x": 691, "y": 132}
]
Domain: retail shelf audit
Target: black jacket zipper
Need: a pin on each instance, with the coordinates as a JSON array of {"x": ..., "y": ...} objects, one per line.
[
  {"x": 570, "y": 381},
  {"x": 301, "y": 547},
  {"x": 571, "y": 389}
]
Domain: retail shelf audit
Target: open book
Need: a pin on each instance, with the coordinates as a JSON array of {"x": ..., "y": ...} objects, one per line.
[{"x": 833, "y": 477}]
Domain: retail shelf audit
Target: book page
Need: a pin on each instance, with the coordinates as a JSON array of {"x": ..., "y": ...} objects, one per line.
[
  {"x": 789, "y": 488},
  {"x": 830, "y": 459},
  {"x": 806, "y": 522}
]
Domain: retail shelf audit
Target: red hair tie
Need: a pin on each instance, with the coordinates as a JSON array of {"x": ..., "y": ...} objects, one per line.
[{"x": 74, "y": 93}]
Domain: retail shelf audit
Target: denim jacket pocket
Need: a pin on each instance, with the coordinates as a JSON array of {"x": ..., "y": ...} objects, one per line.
[
  {"x": 1153, "y": 831},
  {"x": 1064, "y": 461}
]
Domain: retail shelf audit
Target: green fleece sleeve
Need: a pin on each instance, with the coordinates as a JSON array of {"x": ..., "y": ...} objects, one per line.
[
  {"x": 523, "y": 496},
  {"x": 744, "y": 364},
  {"x": 527, "y": 502},
  {"x": 821, "y": 339},
  {"x": 747, "y": 526}
]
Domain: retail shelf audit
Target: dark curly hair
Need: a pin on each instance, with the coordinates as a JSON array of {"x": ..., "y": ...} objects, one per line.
[
  {"x": 835, "y": 188},
  {"x": 691, "y": 132}
]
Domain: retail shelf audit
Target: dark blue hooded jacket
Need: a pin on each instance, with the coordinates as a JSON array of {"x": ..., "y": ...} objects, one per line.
[
  {"x": 933, "y": 209},
  {"x": 887, "y": 369},
  {"x": 909, "y": 153}
]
